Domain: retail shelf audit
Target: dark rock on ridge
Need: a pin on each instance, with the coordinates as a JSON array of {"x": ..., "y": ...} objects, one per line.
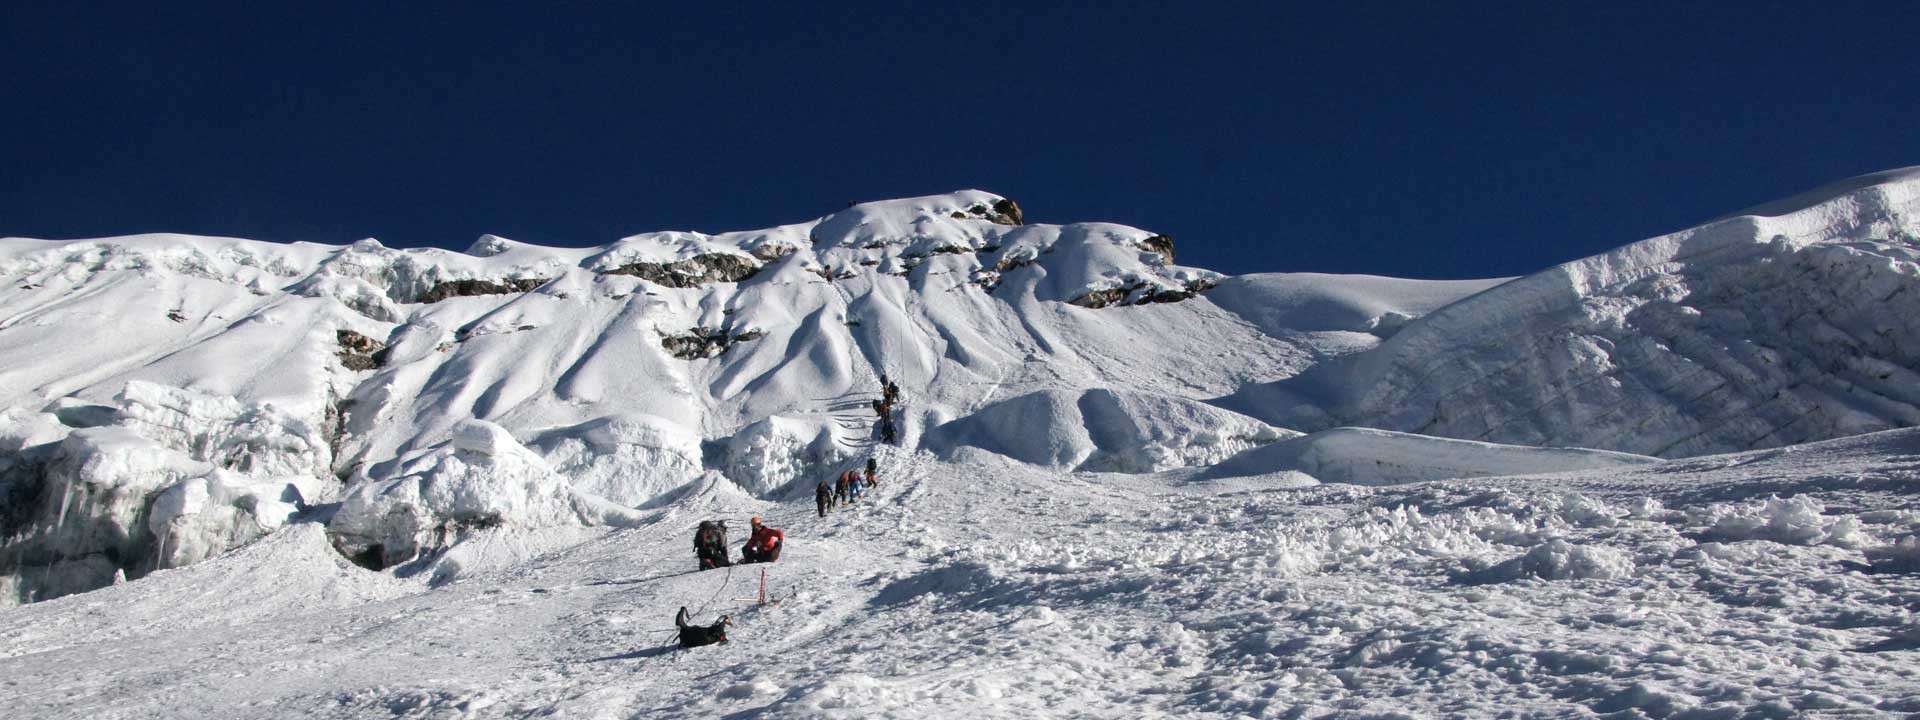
[
  {"x": 1117, "y": 296},
  {"x": 702, "y": 343},
  {"x": 694, "y": 271},
  {"x": 469, "y": 288},
  {"x": 359, "y": 352},
  {"x": 1161, "y": 245}
]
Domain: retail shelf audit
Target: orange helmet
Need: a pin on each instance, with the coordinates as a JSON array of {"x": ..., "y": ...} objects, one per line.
[{"x": 756, "y": 520}]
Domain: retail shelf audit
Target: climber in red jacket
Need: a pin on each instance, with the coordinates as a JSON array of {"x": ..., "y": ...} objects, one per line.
[{"x": 764, "y": 545}]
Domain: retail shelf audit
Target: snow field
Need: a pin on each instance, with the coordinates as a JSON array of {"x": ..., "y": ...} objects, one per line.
[{"x": 984, "y": 587}]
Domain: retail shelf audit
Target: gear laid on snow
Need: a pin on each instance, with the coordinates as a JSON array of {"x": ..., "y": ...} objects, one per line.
[
  {"x": 697, "y": 635},
  {"x": 710, "y": 544}
]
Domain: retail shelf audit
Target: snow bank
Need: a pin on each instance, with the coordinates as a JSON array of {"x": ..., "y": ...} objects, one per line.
[
  {"x": 1309, "y": 302},
  {"x": 482, "y": 479},
  {"x": 628, "y": 459},
  {"x": 1103, "y": 430},
  {"x": 256, "y": 439},
  {"x": 1364, "y": 456},
  {"x": 1789, "y": 521},
  {"x": 1560, "y": 560},
  {"x": 782, "y": 455},
  {"x": 198, "y": 518},
  {"x": 1902, "y": 555}
]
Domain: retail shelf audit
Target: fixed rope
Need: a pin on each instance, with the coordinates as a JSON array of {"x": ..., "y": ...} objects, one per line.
[{"x": 728, "y": 580}]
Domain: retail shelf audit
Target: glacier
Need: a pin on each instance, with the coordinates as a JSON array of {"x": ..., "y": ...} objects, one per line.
[{"x": 1167, "y": 490}]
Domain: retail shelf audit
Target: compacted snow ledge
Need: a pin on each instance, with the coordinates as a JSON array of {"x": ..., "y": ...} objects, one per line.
[{"x": 1773, "y": 584}]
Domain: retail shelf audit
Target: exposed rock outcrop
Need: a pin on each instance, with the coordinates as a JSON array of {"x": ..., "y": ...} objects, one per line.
[
  {"x": 769, "y": 252},
  {"x": 694, "y": 271},
  {"x": 1141, "y": 292},
  {"x": 359, "y": 352},
  {"x": 1161, "y": 245},
  {"x": 700, "y": 343},
  {"x": 1002, "y": 212},
  {"x": 467, "y": 288}
]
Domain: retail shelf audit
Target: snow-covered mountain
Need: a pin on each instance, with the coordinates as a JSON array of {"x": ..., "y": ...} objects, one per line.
[
  {"x": 167, "y": 397},
  {"x": 439, "y": 418},
  {"x": 1789, "y": 323}
]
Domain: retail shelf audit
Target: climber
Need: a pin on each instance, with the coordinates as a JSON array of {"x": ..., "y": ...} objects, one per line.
[
  {"x": 873, "y": 479},
  {"x": 856, "y": 485},
  {"x": 710, "y": 544},
  {"x": 763, "y": 545},
  {"x": 888, "y": 433},
  {"x": 697, "y": 635},
  {"x": 823, "y": 498},
  {"x": 849, "y": 485},
  {"x": 840, "y": 489}
]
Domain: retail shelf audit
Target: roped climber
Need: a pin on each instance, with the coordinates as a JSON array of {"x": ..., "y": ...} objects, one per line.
[{"x": 763, "y": 545}]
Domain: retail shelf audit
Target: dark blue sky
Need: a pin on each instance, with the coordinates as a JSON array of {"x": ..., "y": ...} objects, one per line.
[{"x": 1407, "y": 138}]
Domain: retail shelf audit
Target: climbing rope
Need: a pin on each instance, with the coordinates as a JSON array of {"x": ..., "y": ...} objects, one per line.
[{"x": 716, "y": 593}]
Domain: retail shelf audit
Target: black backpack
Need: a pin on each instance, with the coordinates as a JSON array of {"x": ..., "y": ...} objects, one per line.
[{"x": 710, "y": 541}]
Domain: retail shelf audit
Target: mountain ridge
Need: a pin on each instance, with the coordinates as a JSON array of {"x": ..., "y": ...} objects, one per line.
[{"x": 210, "y": 370}]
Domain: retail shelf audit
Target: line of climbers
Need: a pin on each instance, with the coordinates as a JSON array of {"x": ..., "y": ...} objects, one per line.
[
  {"x": 765, "y": 542},
  {"x": 889, "y": 394},
  {"x": 846, "y": 490}
]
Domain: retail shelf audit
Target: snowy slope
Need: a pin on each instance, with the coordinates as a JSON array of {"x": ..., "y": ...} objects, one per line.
[
  {"x": 250, "y": 379},
  {"x": 1363, "y": 456},
  {"x": 984, "y": 587},
  {"x": 1791, "y": 323}
]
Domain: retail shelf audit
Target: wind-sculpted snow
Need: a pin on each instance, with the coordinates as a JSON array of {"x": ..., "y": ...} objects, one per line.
[
  {"x": 234, "y": 375},
  {"x": 1310, "y": 302},
  {"x": 483, "y": 479},
  {"x": 163, "y": 478},
  {"x": 311, "y": 364},
  {"x": 1377, "y": 457},
  {"x": 1749, "y": 332},
  {"x": 1104, "y": 430}
]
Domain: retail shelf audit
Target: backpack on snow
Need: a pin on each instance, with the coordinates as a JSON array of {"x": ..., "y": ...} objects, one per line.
[{"x": 710, "y": 544}]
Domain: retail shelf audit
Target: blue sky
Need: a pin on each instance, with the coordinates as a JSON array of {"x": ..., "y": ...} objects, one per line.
[{"x": 1437, "y": 140}]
